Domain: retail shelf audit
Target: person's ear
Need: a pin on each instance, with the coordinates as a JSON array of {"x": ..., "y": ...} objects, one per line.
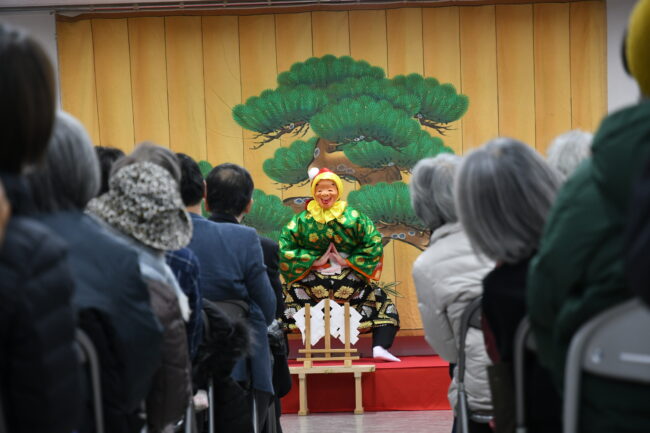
[{"x": 205, "y": 198}]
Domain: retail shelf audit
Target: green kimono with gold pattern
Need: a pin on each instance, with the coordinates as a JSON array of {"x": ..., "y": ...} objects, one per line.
[{"x": 304, "y": 240}]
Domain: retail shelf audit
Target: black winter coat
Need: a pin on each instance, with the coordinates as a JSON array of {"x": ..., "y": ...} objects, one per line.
[
  {"x": 504, "y": 306},
  {"x": 39, "y": 367},
  {"x": 107, "y": 279}
]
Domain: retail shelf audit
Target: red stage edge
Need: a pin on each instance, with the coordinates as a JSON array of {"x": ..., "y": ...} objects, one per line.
[{"x": 415, "y": 383}]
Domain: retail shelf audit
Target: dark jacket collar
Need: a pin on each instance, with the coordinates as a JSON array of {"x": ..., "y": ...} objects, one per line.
[
  {"x": 18, "y": 194},
  {"x": 223, "y": 218}
]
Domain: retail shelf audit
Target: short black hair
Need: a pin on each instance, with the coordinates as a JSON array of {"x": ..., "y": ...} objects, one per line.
[
  {"x": 230, "y": 189},
  {"x": 28, "y": 100},
  {"x": 191, "y": 180},
  {"x": 107, "y": 157}
]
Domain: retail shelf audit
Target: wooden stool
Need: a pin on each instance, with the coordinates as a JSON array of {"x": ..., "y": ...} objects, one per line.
[
  {"x": 357, "y": 370},
  {"x": 329, "y": 354}
]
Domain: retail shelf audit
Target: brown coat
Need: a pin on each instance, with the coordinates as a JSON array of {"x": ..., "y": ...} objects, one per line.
[{"x": 171, "y": 388}]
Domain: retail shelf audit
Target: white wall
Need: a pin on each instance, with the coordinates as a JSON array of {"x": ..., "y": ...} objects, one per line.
[{"x": 622, "y": 90}]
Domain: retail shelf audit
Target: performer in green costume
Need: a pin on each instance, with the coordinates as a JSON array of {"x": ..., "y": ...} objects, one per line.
[{"x": 331, "y": 250}]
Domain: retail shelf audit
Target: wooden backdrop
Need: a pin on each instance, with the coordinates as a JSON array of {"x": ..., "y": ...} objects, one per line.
[{"x": 532, "y": 71}]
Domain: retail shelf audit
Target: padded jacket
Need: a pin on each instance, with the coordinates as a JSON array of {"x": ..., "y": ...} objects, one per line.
[
  {"x": 448, "y": 276},
  {"x": 107, "y": 279},
  {"x": 39, "y": 366},
  {"x": 579, "y": 268},
  {"x": 171, "y": 384}
]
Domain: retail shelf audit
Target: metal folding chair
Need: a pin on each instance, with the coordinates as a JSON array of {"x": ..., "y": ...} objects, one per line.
[
  {"x": 89, "y": 357},
  {"x": 608, "y": 345},
  {"x": 523, "y": 341},
  {"x": 471, "y": 318}
]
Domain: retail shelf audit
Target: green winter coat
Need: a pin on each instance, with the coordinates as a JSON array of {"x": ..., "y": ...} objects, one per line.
[{"x": 578, "y": 271}]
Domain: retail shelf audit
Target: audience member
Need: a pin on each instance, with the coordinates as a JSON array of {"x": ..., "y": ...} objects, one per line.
[
  {"x": 232, "y": 268},
  {"x": 39, "y": 367},
  {"x": 568, "y": 150},
  {"x": 110, "y": 297},
  {"x": 186, "y": 268},
  {"x": 579, "y": 269},
  {"x": 504, "y": 191},
  {"x": 229, "y": 198},
  {"x": 107, "y": 157},
  {"x": 143, "y": 208},
  {"x": 447, "y": 278}
]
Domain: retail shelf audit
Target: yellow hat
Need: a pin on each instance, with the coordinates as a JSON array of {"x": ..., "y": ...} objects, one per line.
[
  {"x": 326, "y": 174},
  {"x": 637, "y": 45}
]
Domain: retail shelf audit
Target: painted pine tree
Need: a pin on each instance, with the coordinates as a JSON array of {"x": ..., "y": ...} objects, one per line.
[{"x": 369, "y": 129}]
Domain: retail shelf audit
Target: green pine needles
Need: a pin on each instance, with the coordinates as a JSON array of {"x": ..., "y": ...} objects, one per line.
[
  {"x": 373, "y": 154},
  {"x": 366, "y": 119},
  {"x": 439, "y": 103},
  {"x": 386, "y": 204},
  {"x": 319, "y": 73},
  {"x": 289, "y": 165},
  {"x": 268, "y": 215},
  {"x": 369, "y": 128}
]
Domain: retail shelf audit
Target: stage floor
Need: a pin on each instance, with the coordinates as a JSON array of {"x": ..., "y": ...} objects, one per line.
[{"x": 415, "y": 383}]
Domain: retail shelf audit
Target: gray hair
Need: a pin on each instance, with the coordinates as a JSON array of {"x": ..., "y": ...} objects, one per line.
[
  {"x": 150, "y": 152},
  {"x": 568, "y": 150},
  {"x": 504, "y": 191},
  {"x": 69, "y": 175},
  {"x": 432, "y": 190}
]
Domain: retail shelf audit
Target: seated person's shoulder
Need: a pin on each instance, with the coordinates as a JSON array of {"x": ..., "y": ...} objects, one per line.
[
  {"x": 112, "y": 248},
  {"x": 231, "y": 232},
  {"x": 28, "y": 249},
  {"x": 26, "y": 237}
]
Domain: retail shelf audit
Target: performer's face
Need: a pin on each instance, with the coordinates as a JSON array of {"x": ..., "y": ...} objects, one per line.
[{"x": 326, "y": 193}]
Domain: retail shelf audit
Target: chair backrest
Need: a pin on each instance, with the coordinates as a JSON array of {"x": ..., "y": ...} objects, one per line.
[
  {"x": 523, "y": 340},
  {"x": 609, "y": 345},
  {"x": 89, "y": 359},
  {"x": 471, "y": 318}
]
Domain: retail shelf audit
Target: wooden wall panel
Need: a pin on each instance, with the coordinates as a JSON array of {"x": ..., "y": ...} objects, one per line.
[
  {"x": 552, "y": 72},
  {"x": 77, "y": 74},
  {"x": 588, "y": 64},
  {"x": 530, "y": 71},
  {"x": 113, "y": 80},
  {"x": 368, "y": 42},
  {"x": 479, "y": 74},
  {"x": 405, "y": 56},
  {"x": 441, "y": 57},
  {"x": 293, "y": 41},
  {"x": 330, "y": 33},
  {"x": 258, "y": 72},
  {"x": 368, "y": 37},
  {"x": 516, "y": 72},
  {"x": 222, "y": 89},
  {"x": 184, "y": 43},
  {"x": 404, "y": 41},
  {"x": 149, "y": 80}
]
